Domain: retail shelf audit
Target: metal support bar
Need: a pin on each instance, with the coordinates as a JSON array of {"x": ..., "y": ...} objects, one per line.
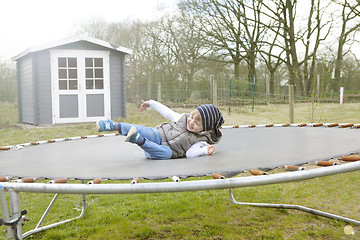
[
  {"x": 296, "y": 207},
  {"x": 39, "y": 229},
  {"x": 47, "y": 211}
]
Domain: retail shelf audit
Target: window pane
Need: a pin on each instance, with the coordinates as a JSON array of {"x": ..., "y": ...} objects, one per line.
[
  {"x": 98, "y": 62},
  {"x": 98, "y": 73},
  {"x": 62, "y": 74},
  {"x": 89, "y": 62},
  {"x": 99, "y": 84},
  {"x": 72, "y": 62},
  {"x": 62, "y": 85},
  {"x": 73, "y": 84},
  {"x": 89, "y": 84},
  {"x": 73, "y": 73},
  {"x": 62, "y": 62},
  {"x": 89, "y": 73}
]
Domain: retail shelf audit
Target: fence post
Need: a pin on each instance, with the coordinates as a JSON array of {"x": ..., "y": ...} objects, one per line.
[
  {"x": 341, "y": 95},
  {"x": 267, "y": 79},
  {"x": 159, "y": 92},
  {"x": 229, "y": 96},
  {"x": 253, "y": 97},
  {"x": 318, "y": 87},
  {"x": 149, "y": 89},
  {"x": 214, "y": 90},
  {"x": 291, "y": 103}
]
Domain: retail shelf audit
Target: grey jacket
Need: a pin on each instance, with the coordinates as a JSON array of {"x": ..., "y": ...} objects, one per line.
[{"x": 179, "y": 139}]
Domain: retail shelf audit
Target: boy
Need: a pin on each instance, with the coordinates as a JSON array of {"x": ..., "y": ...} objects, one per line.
[{"x": 187, "y": 135}]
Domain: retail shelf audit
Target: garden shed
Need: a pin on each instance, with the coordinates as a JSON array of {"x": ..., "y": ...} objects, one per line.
[{"x": 78, "y": 79}]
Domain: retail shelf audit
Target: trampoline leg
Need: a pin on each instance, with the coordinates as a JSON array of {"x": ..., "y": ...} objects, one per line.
[
  {"x": 5, "y": 214},
  {"x": 16, "y": 213},
  {"x": 39, "y": 229},
  {"x": 296, "y": 207}
]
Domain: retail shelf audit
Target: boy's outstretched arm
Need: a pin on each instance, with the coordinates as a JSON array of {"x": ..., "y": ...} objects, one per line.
[{"x": 160, "y": 108}]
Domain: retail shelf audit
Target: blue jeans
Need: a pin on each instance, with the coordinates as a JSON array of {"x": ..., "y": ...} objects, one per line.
[{"x": 152, "y": 146}]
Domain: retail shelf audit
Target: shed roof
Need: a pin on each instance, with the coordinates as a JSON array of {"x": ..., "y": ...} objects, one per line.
[{"x": 72, "y": 40}]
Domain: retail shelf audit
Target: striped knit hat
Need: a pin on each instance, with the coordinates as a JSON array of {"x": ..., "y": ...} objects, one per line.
[{"x": 211, "y": 116}]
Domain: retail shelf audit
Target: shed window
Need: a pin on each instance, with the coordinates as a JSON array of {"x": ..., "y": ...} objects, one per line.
[
  {"x": 94, "y": 72},
  {"x": 68, "y": 73}
]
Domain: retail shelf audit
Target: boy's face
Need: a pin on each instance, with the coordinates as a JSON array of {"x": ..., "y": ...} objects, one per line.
[{"x": 194, "y": 124}]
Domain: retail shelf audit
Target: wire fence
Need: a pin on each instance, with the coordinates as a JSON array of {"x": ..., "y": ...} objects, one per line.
[
  {"x": 231, "y": 92},
  {"x": 223, "y": 92},
  {"x": 8, "y": 94}
]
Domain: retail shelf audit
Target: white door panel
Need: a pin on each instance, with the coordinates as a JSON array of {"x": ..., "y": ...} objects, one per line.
[{"x": 80, "y": 85}]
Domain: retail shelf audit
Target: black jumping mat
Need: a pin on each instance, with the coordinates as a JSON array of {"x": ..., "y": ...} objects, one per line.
[{"x": 240, "y": 149}]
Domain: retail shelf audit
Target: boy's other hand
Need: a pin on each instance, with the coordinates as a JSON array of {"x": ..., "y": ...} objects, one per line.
[
  {"x": 144, "y": 105},
  {"x": 211, "y": 149}
]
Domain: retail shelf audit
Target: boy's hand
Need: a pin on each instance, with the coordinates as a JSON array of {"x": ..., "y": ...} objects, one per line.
[
  {"x": 144, "y": 105},
  {"x": 211, "y": 149}
]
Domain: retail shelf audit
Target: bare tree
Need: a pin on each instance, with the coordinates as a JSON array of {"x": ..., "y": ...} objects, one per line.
[
  {"x": 280, "y": 25},
  {"x": 95, "y": 27},
  {"x": 271, "y": 53},
  {"x": 350, "y": 24},
  {"x": 150, "y": 62},
  {"x": 8, "y": 83},
  {"x": 295, "y": 37},
  {"x": 178, "y": 34},
  {"x": 122, "y": 33},
  {"x": 316, "y": 24},
  {"x": 232, "y": 27},
  {"x": 183, "y": 49}
]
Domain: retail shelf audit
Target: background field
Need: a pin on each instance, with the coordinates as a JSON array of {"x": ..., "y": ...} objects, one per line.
[{"x": 203, "y": 214}]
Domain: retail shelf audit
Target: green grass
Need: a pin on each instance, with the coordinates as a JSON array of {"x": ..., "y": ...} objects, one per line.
[
  {"x": 202, "y": 214},
  {"x": 8, "y": 114}
]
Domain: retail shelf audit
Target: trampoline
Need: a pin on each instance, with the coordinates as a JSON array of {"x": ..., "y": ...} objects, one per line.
[{"x": 242, "y": 148}]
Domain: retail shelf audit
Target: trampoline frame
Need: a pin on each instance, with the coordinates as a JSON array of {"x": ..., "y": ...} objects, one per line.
[{"x": 14, "y": 220}]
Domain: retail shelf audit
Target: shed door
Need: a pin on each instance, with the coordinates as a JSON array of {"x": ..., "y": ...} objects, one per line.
[{"x": 80, "y": 83}]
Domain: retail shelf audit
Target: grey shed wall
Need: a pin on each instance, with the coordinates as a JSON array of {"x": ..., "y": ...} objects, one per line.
[
  {"x": 34, "y": 81},
  {"x": 42, "y": 88},
  {"x": 117, "y": 85},
  {"x": 25, "y": 90}
]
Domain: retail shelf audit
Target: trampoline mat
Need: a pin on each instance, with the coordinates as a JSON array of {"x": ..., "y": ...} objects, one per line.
[{"x": 240, "y": 149}]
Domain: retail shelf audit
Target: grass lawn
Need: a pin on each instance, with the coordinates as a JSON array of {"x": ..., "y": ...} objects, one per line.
[{"x": 202, "y": 214}]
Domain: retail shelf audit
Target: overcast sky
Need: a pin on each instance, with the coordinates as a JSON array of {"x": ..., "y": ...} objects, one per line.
[{"x": 27, "y": 23}]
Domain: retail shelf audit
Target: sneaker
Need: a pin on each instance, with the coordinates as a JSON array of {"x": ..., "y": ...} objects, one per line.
[
  {"x": 133, "y": 136},
  {"x": 105, "y": 125}
]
